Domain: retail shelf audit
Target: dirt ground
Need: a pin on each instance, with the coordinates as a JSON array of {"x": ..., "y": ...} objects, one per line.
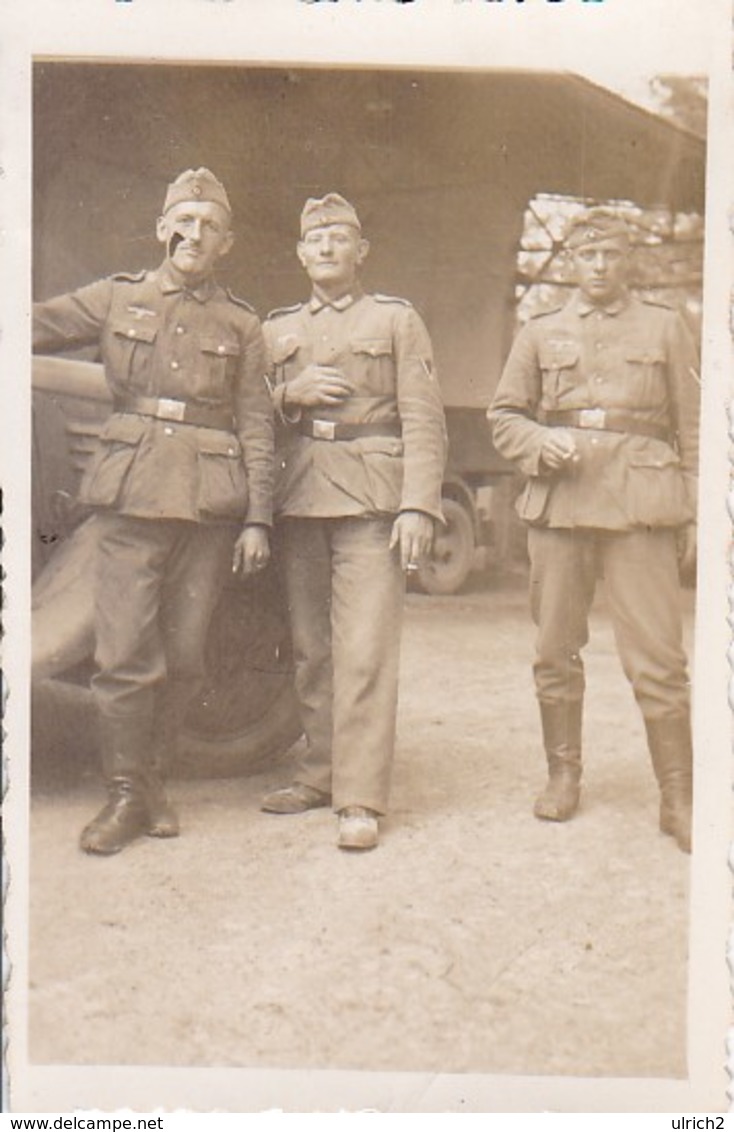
[{"x": 474, "y": 939}]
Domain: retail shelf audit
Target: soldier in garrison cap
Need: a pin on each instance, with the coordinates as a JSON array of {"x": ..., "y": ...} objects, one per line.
[
  {"x": 598, "y": 407},
  {"x": 361, "y": 442},
  {"x": 186, "y": 453}
]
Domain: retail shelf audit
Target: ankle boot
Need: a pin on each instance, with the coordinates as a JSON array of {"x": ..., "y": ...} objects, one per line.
[
  {"x": 562, "y": 740},
  {"x": 125, "y": 745},
  {"x": 122, "y": 820},
  {"x": 163, "y": 818},
  {"x": 671, "y": 749}
]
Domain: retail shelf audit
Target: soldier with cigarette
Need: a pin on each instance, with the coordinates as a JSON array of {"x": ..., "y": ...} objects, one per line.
[
  {"x": 598, "y": 406},
  {"x": 186, "y": 453},
  {"x": 361, "y": 448}
]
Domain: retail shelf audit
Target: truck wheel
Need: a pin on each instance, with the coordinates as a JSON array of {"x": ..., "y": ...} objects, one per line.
[
  {"x": 453, "y": 552},
  {"x": 246, "y": 717},
  {"x": 247, "y": 714}
]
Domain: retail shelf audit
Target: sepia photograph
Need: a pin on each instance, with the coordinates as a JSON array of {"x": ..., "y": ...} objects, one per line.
[{"x": 373, "y": 716}]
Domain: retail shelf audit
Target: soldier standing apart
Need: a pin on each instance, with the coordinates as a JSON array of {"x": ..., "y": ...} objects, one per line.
[
  {"x": 598, "y": 407},
  {"x": 186, "y": 453},
  {"x": 361, "y": 449}
]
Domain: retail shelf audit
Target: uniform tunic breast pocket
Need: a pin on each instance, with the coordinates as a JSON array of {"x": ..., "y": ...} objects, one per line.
[
  {"x": 645, "y": 385},
  {"x": 131, "y": 347},
  {"x": 287, "y": 357},
  {"x": 217, "y": 369},
  {"x": 372, "y": 365},
  {"x": 559, "y": 366}
]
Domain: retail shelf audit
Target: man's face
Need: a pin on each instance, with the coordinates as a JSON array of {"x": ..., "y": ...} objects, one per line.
[
  {"x": 196, "y": 234},
  {"x": 601, "y": 269},
  {"x": 332, "y": 255}
]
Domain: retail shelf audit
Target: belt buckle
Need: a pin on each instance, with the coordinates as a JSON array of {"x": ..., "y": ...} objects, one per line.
[
  {"x": 324, "y": 430},
  {"x": 592, "y": 418},
  {"x": 171, "y": 410}
]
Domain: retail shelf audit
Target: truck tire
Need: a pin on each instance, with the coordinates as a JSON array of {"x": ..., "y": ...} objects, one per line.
[
  {"x": 453, "y": 552},
  {"x": 246, "y": 716}
]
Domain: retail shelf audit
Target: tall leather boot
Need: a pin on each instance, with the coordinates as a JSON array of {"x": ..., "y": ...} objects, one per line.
[
  {"x": 170, "y": 707},
  {"x": 125, "y": 761},
  {"x": 562, "y": 740},
  {"x": 671, "y": 748}
]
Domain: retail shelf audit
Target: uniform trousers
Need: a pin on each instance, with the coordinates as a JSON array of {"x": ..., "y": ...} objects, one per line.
[
  {"x": 345, "y": 591},
  {"x": 157, "y": 583},
  {"x": 640, "y": 570}
]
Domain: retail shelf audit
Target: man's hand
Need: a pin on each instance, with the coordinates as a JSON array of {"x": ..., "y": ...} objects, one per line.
[
  {"x": 317, "y": 385},
  {"x": 413, "y": 532},
  {"x": 252, "y": 550},
  {"x": 687, "y": 552},
  {"x": 559, "y": 449}
]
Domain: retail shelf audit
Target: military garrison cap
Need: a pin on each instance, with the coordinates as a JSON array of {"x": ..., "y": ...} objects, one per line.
[
  {"x": 331, "y": 209},
  {"x": 196, "y": 185},
  {"x": 594, "y": 225}
]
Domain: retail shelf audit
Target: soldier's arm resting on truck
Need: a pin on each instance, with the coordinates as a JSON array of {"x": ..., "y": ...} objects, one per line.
[{"x": 69, "y": 321}]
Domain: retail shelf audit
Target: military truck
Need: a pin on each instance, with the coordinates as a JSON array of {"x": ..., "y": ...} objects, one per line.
[{"x": 445, "y": 169}]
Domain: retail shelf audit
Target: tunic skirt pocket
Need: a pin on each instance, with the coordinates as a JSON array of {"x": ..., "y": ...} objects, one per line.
[
  {"x": 656, "y": 492},
  {"x": 532, "y": 502},
  {"x": 222, "y": 488},
  {"x": 118, "y": 444},
  {"x": 382, "y": 460}
]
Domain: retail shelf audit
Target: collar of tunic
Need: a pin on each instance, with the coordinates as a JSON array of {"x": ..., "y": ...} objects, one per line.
[
  {"x": 169, "y": 285},
  {"x": 316, "y": 303},
  {"x": 615, "y": 307}
]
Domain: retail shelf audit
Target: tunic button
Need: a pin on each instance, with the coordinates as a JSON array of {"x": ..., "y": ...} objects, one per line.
[
  {"x": 179, "y": 329},
  {"x": 168, "y": 430},
  {"x": 175, "y": 365},
  {"x": 220, "y": 349},
  {"x": 132, "y": 333}
]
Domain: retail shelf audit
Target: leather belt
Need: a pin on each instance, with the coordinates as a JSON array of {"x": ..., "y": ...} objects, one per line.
[
  {"x": 607, "y": 420},
  {"x": 344, "y": 430},
  {"x": 169, "y": 409}
]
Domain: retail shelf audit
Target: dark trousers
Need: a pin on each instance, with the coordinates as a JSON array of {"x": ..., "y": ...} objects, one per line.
[
  {"x": 640, "y": 570},
  {"x": 157, "y": 583},
  {"x": 345, "y": 594}
]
